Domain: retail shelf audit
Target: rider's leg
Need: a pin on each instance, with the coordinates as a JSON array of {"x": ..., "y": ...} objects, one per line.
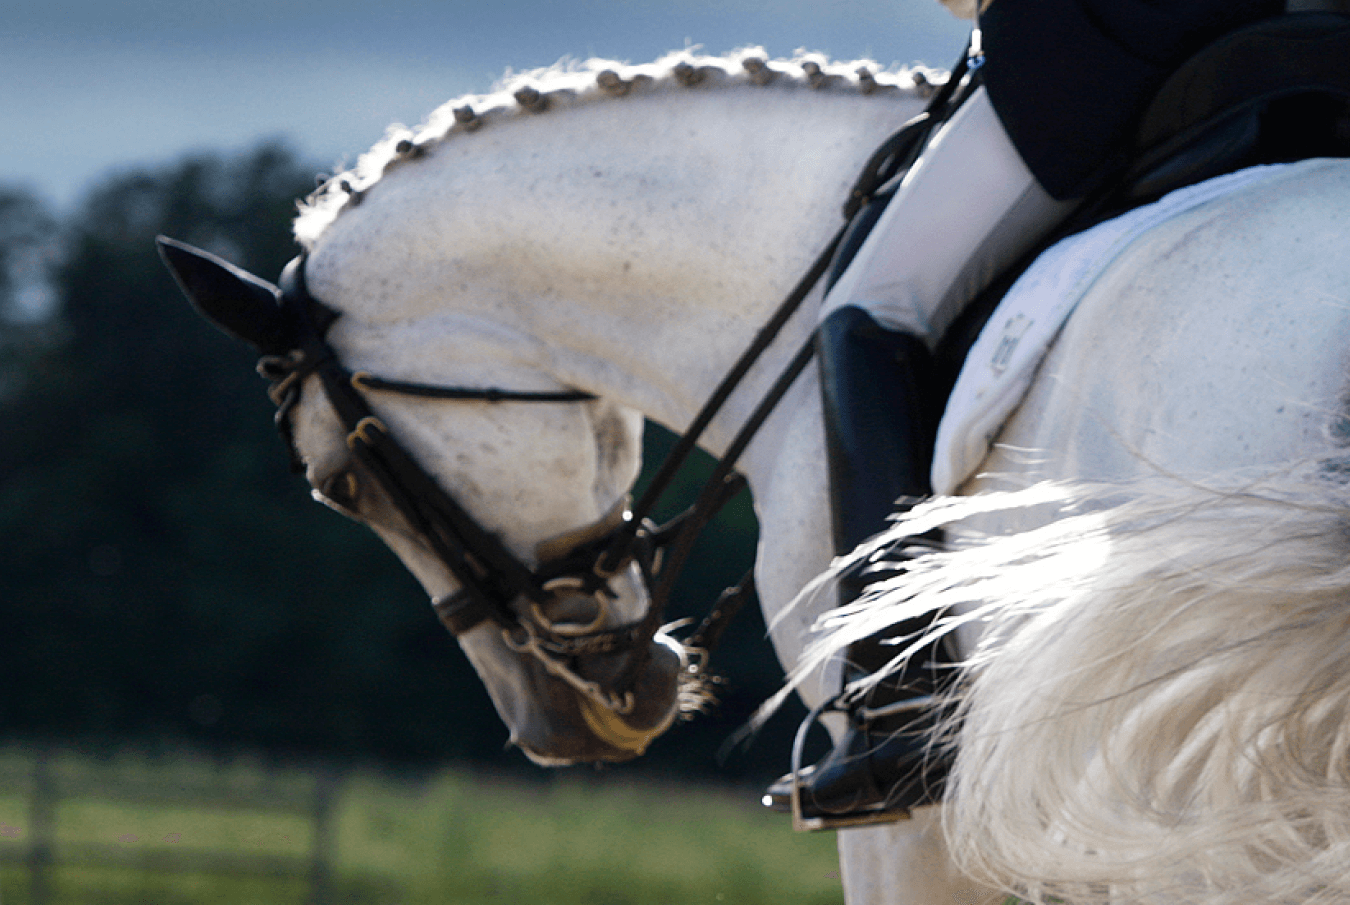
[{"x": 967, "y": 209}]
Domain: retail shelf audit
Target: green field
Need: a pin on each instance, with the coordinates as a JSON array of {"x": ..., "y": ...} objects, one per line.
[{"x": 168, "y": 831}]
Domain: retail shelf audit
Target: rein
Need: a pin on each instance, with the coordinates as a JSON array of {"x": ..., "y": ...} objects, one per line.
[{"x": 491, "y": 577}]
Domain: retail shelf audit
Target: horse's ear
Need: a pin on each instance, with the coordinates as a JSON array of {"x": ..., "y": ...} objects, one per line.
[{"x": 236, "y": 301}]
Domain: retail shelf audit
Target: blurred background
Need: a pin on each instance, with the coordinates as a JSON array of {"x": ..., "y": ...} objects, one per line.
[{"x": 170, "y": 598}]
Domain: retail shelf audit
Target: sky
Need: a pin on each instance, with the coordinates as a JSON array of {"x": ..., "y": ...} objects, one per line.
[{"x": 91, "y": 87}]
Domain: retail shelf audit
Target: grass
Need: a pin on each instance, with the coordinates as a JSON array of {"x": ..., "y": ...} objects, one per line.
[{"x": 455, "y": 837}]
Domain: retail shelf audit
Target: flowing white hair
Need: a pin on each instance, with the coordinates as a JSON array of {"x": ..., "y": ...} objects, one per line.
[{"x": 1158, "y": 709}]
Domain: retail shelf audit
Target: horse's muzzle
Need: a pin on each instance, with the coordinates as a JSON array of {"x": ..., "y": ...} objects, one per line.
[{"x": 580, "y": 729}]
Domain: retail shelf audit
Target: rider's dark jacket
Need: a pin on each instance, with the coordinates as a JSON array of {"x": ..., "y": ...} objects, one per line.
[{"x": 1071, "y": 119}]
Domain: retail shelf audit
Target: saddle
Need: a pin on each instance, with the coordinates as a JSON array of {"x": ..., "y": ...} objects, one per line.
[{"x": 1274, "y": 92}]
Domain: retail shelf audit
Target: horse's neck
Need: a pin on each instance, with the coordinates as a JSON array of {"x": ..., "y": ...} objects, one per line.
[
  {"x": 633, "y": 248},
  {"x": 643, "y": 240}
]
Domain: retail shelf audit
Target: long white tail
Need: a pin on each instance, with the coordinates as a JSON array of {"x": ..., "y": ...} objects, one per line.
[{"x": 1159, "y": 707}]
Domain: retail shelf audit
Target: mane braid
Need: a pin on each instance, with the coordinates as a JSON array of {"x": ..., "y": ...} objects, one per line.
[{"x": 570, "y": 84}]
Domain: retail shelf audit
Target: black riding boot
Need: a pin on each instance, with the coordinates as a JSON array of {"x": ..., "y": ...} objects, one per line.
[{"x": 879, "y": 430}]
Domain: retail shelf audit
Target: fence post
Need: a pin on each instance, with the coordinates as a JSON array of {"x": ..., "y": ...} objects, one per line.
[
  {"x": 326, "y": 786},
  {"x": 42, "y": 826}
]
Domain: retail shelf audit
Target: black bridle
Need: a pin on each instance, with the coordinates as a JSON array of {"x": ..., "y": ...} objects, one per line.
[{"x": 491, "y": 578}]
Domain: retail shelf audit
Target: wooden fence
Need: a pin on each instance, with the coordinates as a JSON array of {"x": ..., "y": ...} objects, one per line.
[{"x": 45, "y": 786}]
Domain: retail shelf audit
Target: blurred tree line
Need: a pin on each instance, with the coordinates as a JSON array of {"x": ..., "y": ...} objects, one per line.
[{"x": 167, "y": 581}]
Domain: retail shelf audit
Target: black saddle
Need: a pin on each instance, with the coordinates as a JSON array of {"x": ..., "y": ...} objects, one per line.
[{"x": 1275, "y": 91}]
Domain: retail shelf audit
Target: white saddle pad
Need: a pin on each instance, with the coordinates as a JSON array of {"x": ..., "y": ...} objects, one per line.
[{"x": 1003, "y": 361}]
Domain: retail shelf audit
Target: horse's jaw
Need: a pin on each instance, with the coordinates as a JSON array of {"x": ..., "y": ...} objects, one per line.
[
  {"x": 582, "y": 459},
  {"x": 553, "y": 724},
  {"x": 549, "y": 719}
]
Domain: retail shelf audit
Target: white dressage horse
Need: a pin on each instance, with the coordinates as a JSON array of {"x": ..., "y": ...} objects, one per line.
[{"x": 625, "y": 231}]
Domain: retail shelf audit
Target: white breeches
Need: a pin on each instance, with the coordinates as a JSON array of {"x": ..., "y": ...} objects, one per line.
[{"x": 968, "y": 208}]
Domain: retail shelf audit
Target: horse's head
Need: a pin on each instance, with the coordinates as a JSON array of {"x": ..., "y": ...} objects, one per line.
[{"x": 499, "y": 502}]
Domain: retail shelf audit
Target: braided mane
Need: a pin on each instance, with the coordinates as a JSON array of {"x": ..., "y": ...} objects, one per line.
[{"x": 570, "y": 84}]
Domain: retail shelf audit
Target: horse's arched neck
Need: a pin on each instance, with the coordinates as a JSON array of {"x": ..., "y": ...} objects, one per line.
[{"x": 636, "y": 245}]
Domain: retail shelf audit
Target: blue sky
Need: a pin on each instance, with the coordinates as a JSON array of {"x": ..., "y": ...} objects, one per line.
[{"x": 88, "y": 86}]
